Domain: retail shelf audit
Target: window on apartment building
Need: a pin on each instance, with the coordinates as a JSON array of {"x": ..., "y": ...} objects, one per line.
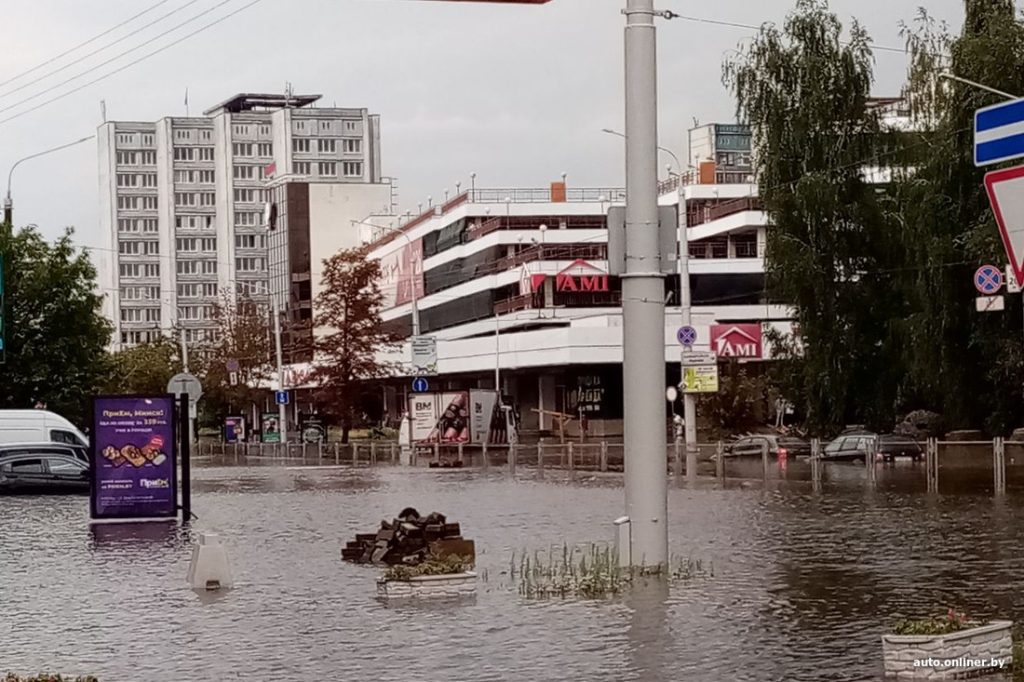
[
  {"x": 151, "y": 270},
  {"x": 209, "y": 267},
  {"x": 184, "y": 153},
  {"x": 207, "y": 199},
  {"x": 265, "y": 149},
  {"x": 148, "y": 179},
  {"x": 245, "y": 172},
  {"x": 150, "y": 225},
  {"x": 151, "y": 248},
  {"x": 326, "y": 146},
  {"x": 187, "y": 244},
  {"x": 182, "y": 135},
  {"x": 184, "y": 199},
  {"x": 128, "y": 203},
  {"x": 148, "y": 139},
  {"x": 209, "y": 289},
  {"x": 206, "y": 153},
  {"x": 188, "y": 267},
  {"x": 127, "y": 158},
  {"x": 147, "y": 158},
  {"x": 127, "y": 225},
  {"x": 128, "y": 248},
  {"x": 152, "y": 314},
  {"x": 125, "y": 138},
  {"x": 352, "y": 169},
  {"x": 129, "y": 269},
  {"x": 300, "y": 125},
  {"x": 149, "y": 203},
  {"x": 351, "y": 126},
  {"x": 264, "y": 129},
  {"x": 206, "y": 177},
  {"x": 183, "y": 176},
  {"x": 245, "y": 196},
  {"x": 250, "y": 241},
  {"x": 205, "y": 135},
  {"x": 131, "y": 314},
  {"x": 242, "y": 148},
  {"x": 328, "y": 169},
  {"x": 301, "y": 167},
  {"x": 188, "y": 291},
  {"x": 241, "y": 129},
  {"x": 325, "y": 126},
  {"x": 352, "y": 146},
  {"x": 250, "y": 264},
  {"x": 251, "y": 288},
  {"x": 300, "y": 145},
  {"x": 247, "y": 218},
  {"x": 127, "y": 180},
  {"x": 188, "y": 312}
]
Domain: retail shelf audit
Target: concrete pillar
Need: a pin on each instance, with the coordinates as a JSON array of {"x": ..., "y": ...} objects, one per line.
[{"x": 545, "y": 399}]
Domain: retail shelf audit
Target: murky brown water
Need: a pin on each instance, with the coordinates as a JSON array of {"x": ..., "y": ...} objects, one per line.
[{"x": 803, "y": 582}]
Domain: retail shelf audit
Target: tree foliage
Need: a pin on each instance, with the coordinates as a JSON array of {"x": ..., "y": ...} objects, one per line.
[
  {"x": 805, "y": 89},
  {"x": 143, "y": 369},
  {"x": 55, "y": 333},
  {"x": 348, "y": 309},
  {"x": 952, "y": 354}
]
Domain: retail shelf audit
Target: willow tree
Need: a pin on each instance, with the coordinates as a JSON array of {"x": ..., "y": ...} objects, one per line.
[
  {"x": 805, "y": 89},
  {"x": 954, "y": 355}
]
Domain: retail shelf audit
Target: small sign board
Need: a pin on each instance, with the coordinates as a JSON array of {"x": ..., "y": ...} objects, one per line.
[
  {"x": 697, "y": 358},
  {"x": 988, "y": 280},
  {"x": 231, "y": 365},
  {"x": 186, "y": 383},
  {"x": 687, "y": 336},
  {"x": 424, "y": 355},
  {"x": 702, "y": 379},
  {"x": 420, "y": 385},
  {"x": 1012, "y": 283},
  {"x": 271, "y": 427},
  {"x": 990, "y": 304},
  {"x": 280, "y": 397},
  {"x": 997, "y": 133}
]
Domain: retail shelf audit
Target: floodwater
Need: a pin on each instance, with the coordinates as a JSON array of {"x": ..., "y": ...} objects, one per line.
[{"x": 803, "y": 582}]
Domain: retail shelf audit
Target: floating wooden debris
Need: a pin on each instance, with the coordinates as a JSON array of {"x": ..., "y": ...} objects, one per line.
[{"x": 409, "y": 539}]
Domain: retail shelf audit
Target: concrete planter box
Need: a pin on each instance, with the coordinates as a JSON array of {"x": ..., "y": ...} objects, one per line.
[
  {"x": 957, "y": 655},
  {"x": 451, "y": 586}
]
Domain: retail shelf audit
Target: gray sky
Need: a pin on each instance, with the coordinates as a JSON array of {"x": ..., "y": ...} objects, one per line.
[{"x": 517, "y": 94}]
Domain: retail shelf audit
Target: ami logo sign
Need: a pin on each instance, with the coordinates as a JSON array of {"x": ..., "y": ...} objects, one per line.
[
  {"x": 736, "y": 340},
  {"x": 581, "y": 276}
]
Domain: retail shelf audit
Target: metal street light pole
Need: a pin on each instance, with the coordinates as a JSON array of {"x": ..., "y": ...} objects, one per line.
[
  {"x": 282, "y": 409},
  {"x": 643, "y": 306},
  {"x": 8, "y": 203},
  {"x": 660, "y": 148}
]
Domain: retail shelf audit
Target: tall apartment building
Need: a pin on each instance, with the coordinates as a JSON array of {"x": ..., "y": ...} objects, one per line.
[{"x": 182, "y": 202}]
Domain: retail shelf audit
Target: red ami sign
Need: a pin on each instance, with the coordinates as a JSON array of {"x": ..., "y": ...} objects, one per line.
[
  {"x": 736, "y": 340},
  {"x": 581, "y": 276}
]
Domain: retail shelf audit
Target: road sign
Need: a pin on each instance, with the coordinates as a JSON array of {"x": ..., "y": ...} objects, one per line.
[
  {"x": 424, "y": 355},
  {"x": 699, "y": 358},
  {"x": 1006, "y": 195},
  {"x": 687, "y": 336},
  {"x": 999, "y": 133},
  {"x": 233, "y": 378},
  {"x": 700, "y": 379},
  {"x": 281, "y": 397},
  {"x": 186, "y": 383},
  {"x": 671, "y": 394},
  {"x": 990, "y": 304},
  {"x": 231, "y": 365},
  {"x": 988, "y": 280},
  {"x": 1012, "y": 283},
  {"x": 420, "y": 385}
]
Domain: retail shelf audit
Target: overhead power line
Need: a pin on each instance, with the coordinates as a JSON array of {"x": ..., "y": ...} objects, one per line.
[
  {"x": 97, "y": 51},
  {"x": 117, "y": 56},
  {"x": 131, "y": 63},
  {"x": 81, "y": 45}
]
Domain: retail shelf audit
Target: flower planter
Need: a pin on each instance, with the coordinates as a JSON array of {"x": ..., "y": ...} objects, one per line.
[
  {"x": 450, "y": 586},
  {"x": 956, "y": 655}
]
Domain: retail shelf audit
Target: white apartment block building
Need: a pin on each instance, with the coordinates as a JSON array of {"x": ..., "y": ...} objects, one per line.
[{"x": 182, "y": 203}]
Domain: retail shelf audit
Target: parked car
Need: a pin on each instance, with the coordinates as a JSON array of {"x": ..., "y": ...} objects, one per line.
[
  {"x": 854, "y": 447},
  {"x": 79, "y": 452},
  {"x": 31, "y": 472},
  {"x": 38, "y": 426},
  {"x": 751, "y": 446}
]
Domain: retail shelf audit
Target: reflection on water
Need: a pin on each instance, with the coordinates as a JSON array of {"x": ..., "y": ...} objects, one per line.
[{"x": 804, "y": 582}]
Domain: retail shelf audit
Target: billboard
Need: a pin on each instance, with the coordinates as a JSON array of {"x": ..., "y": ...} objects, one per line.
[
  {"x": 423, "y": 410},
  {"x": 401, "y": 270},
  {"x": 234, "y": 429},
  {"x": 133, "y": 458},
  {"x": 741, "y": 341},
  {"x": 440, "y": 417},
  {"x": 271, "y": 427}
]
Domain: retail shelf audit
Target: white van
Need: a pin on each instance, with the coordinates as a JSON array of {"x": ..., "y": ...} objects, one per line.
[{"x": 38, "y": 426}]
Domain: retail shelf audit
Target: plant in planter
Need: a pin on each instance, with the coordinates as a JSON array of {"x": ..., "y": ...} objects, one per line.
[
  {"x": 949, "y": 647},
  {"x": 447, "y": 576}
]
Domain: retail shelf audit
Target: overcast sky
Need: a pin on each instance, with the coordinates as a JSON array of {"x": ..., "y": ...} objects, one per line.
[{"x": 517, "y": 94}]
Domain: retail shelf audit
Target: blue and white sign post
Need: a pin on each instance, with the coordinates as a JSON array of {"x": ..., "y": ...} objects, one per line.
[
  {"x": 420, "y": 385},
  {"x": 281, "y": 397},
  {"x": 999, "y": 133},
  {"x": 686, "y": 336}
]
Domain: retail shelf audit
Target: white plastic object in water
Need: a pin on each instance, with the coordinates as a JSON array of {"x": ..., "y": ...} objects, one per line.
[
  {"x": 623, "y": 541},
  {"x": 209, "y": 568}
]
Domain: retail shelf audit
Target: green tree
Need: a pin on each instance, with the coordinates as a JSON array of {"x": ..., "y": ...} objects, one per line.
[
  {"x": 143, "y": 369},
  {"x": 348, "y": 311},
  {"x": 55, "y": 334},
  {"x": 953, "y": 354},
  {"x": 805, "y": 89}
]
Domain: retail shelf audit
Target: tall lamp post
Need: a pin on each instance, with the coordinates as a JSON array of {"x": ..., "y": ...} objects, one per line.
[
  {"x": 8, "y": 202},
  {"x": 660, "y": 148}
]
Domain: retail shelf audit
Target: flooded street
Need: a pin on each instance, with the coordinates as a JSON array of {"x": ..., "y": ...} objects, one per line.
[{"x": 803, "y": 584}]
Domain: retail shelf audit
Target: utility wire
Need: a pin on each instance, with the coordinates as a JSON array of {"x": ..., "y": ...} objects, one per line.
[
  {"x": 81, "y": 45},
  {"x": 135, "y": 61},
  {"x": 96, "y": 51},
  {"x": 116, "y": 57}
]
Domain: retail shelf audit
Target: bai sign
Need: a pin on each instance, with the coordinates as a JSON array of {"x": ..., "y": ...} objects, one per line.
[
  {"x": 741, "y": 341},
  {"x": 133, "y": 458}
]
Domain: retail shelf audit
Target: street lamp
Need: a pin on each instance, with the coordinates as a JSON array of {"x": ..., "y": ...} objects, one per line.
[
  {"x": 664, "y": 149},
  {"x": 8, "y": 203}
]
